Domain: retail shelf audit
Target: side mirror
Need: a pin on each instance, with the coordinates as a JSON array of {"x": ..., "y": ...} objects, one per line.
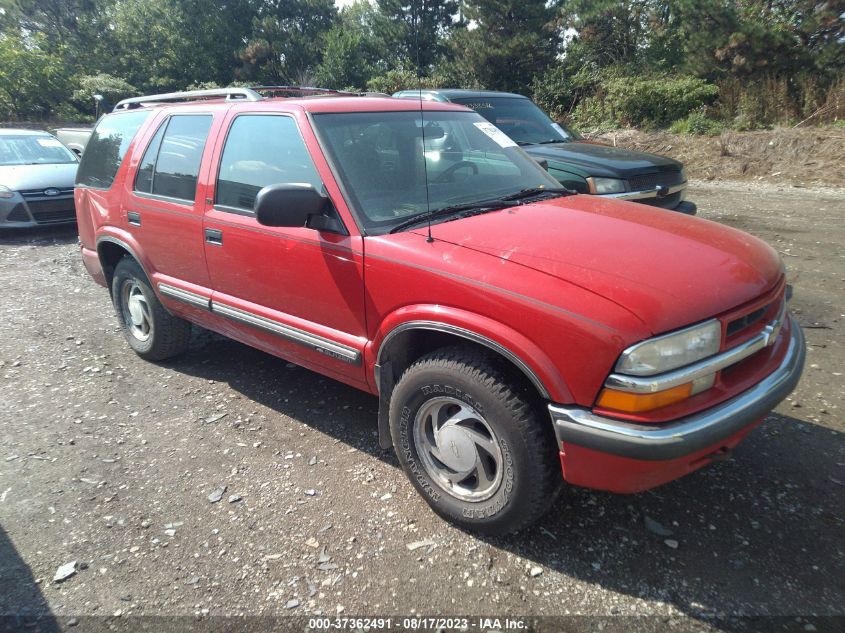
[
  {"x": 543, "y": 163},
  {"x": 289, "y": 204}
]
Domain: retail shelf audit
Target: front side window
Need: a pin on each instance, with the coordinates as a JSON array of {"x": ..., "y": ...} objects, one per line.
[
  {"x": 262, "y": 150},
  {"x": 170, "y": 166},
  {"x": 521, "y": 119},
  {"x": 391, "y": 175},
  {"x": 107, "y": 146},
  {"x": 33, "y": 149}
]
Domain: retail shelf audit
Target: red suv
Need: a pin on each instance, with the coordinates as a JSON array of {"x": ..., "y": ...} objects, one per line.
[{"x": 510, "y": 329}]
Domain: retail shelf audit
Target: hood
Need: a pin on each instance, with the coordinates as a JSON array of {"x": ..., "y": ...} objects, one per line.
[
  {"x": 603, "y": 160},
  {"x": 668, "y": 269},
  {"x": 28, "y": 177}
]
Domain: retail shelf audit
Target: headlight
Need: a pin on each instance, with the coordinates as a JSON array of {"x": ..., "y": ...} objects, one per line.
[
  {"x": 606, "y": 185},
  {"x": 683, "y": 174},
  {"x": 671, "y": 351},
  {"x": 5, "y": 192}
]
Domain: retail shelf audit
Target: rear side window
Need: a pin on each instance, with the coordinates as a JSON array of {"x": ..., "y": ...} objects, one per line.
[
  {"x": 262, "y": 150},
  {"x": 171, "y": 164},
  {"x": 106, "y": 148}
]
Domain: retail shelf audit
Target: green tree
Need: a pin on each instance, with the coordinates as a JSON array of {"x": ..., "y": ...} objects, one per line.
[
  {"x": 511, "y": 41},
  {"x": 355, "y": 48},
  {"x": 169, "y": 44},
  {"x": 285, "y": 45},
  {"x": 32, "y": 80},
  {"x": 416, "y": 30}
]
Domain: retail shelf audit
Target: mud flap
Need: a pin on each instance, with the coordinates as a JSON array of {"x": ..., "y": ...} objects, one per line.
[{"x": 385, "y": 390}]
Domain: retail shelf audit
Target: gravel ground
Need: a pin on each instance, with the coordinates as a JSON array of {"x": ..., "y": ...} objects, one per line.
[{"x": 229, "y": 482}]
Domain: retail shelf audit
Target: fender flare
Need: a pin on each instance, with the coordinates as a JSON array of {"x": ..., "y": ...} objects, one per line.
[{"x": 542, "y": 373}]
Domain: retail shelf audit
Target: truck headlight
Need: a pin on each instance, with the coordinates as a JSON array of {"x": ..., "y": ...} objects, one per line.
[
  {"x": 605, "y": 185},
  {"x": 671, "y": 351},
  {"x": 5, "y": 192}
]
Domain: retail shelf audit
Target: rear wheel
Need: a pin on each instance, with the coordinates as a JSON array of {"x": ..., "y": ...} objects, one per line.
[
  {"x": 150, "y": 329},
  {"x": 468, "y": 437}
]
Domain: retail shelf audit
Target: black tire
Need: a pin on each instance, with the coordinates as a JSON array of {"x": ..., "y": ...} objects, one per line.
[
  {"x": 473, "y": 382},
  {"x": 166, "y": 335}
]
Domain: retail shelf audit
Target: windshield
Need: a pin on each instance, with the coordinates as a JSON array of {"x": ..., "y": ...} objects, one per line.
[
  {"x": 520, "y": 119},
  {"x": 379, "y": 159},
  {"x": 34, "y": 149}
]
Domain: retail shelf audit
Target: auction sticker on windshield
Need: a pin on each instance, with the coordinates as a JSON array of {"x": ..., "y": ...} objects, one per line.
[{"x": 501, "y": 139}]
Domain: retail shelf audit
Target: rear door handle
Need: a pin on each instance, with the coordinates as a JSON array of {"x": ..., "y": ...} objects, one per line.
[
  {"x": 214, "y": 236},
  {"x": 134, "y": 218}
]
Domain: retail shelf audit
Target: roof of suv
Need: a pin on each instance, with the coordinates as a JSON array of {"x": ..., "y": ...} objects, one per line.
[
  {"x": 455, "y": 93},
  {"x": 330, "y": 104}
]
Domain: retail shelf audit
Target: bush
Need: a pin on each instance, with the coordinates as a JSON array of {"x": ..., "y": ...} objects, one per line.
[
  {"x": 393, "y": 81},
  {"x": 644, "y": 101},
  {"x": 697, "y": 123}
]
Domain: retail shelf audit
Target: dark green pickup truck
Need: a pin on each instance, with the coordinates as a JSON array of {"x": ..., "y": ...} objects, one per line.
[{"x": 578, "y": 164}]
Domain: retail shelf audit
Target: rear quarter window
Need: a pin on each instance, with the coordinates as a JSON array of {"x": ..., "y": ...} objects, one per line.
[{"x": 107, "y": 147}]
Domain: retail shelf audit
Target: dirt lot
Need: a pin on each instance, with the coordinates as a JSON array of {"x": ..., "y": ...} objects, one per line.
[
  {"x": 109, "y": 461},
  {"x": 797, "y": 157}
]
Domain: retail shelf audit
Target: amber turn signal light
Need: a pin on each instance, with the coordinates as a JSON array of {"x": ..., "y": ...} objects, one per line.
[{"x": 638, "y": 402}]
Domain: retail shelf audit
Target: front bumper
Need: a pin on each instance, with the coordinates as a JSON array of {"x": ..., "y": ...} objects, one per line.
[
  {"x": 26, "y": 211},
  {"x": 666, "y": 197},
  {"x": 684, "y": 441}
]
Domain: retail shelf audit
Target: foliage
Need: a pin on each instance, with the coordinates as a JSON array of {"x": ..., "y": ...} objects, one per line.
[
  {"x": 393, "y": 81},
  {"x": 31, "y": 79},
  {"x": 417, "y": 30},
  {"x": 645, "y": 101},
  {"x": 697, "y": 123},
  {"x": 511, "y": 42},
  {"x": 287, "y": 39},
  {"x": 601, "y": 63}
]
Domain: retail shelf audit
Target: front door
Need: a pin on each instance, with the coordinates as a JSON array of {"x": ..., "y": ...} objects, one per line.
[{"x": 295, "y": 292}]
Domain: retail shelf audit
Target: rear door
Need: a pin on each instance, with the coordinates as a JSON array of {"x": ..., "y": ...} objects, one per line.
[
  {"x": 296, "y": 292},
  {"x": 162, "y": 209}
]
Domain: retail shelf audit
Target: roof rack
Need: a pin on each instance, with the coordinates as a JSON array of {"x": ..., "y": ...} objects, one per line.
[
  {"x": 231, "y": 94},
  {"x": 303, "y": 90},
  {"x": 253, "y": 93}
]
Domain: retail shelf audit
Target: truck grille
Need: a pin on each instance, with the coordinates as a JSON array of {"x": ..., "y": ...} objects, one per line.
[{"x": 644, "y": 182}]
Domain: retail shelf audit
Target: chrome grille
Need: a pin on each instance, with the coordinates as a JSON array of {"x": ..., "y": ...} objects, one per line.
[{"x": 644, "y": 182}]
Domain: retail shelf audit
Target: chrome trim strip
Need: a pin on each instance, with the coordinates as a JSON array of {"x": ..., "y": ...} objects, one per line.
[
  {"x": 469, "y": 335},
  {"x": 581, "y": 427},
  {"x": 186, "y": 296},
  {"x": 646, "y": 193},
  {"x": 317, "y": 343},
  {"x": 660, "y": 382}
]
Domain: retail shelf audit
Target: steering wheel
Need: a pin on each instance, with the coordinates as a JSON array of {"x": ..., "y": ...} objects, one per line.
[{"x": 448, "y": 174}]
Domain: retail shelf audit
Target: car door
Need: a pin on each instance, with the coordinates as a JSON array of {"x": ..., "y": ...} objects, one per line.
[
  {"x": 296, "y": 292},
  {"x": 162, "y": 210}
]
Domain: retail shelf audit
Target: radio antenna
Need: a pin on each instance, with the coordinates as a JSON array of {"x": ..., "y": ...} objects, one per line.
[{"x": 415, "y": 19}]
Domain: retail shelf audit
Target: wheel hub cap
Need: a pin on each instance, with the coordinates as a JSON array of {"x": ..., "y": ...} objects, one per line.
[
  {"x": 136, "y": 311},
  {"x": 458, "y": 448}
]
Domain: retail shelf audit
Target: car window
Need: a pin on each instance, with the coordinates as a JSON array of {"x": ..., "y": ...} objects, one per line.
[
  {"x": 177, "y": 163},
  {"x": 144, "y": 179},
  {"x": 106, "y": 148},
  {"x": 262, "y": 150},
  {"x": 397, "y": 165},
  {"x": 521, "y": 119},
  {"x": 33, "y": 149}
]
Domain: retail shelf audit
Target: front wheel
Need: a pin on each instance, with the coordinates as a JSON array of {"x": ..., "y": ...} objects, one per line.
[
  {"x": 467, "y": 436},
  {"x": 150, "y": 329}
]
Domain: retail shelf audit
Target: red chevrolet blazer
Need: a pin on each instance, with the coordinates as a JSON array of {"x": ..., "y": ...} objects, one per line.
[{"x": 514, "y": 332}]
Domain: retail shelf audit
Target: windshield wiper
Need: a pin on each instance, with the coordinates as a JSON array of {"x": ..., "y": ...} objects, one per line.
[
  {"x": 536, "y": 191},
  {"x": 552, "y": 140},
  {"x": 489, "y": 205}
]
